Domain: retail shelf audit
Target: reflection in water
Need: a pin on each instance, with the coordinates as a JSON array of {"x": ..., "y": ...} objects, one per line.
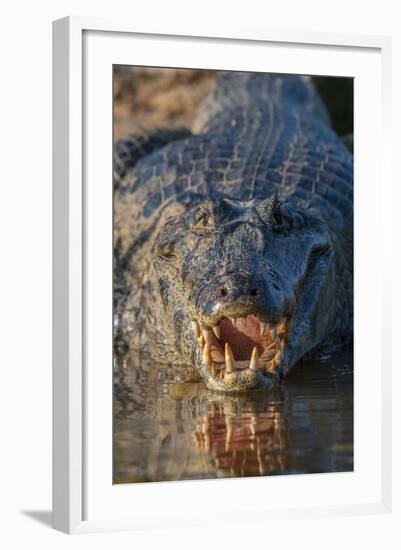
[{"x": 169, "y": 430}]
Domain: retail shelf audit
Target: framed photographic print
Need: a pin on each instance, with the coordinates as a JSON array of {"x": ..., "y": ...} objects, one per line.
[{"x": 218, "y": 319}]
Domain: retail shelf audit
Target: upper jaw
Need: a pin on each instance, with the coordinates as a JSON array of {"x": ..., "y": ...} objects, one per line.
[
  {"x": 241, "y": 309},
  {"x": 239, "y": 353}
]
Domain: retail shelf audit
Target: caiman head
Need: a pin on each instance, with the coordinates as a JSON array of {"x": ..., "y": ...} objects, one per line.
[{"x": 247, "y": 288}]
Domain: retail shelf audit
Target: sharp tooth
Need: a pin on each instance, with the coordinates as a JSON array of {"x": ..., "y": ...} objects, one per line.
[
  {"x": 253, "y": 364},
  {"x": 216, "y": 330},
  {"x": 281, "y": 326},
  {"x": 213, "y": 370},
  {"x": 222, "y": 374},
  {"x": 262, "y": 327},
  {"x": 229, "y": 357},
  {"x": 201, "y": 341},
  {"x": 208, "y": 335},
  {"x": 272, "y": 367},
  {"x": 196, "y": 328},
  {"x": 207, "y": 356},
  {"x": 273, "y": 332}
]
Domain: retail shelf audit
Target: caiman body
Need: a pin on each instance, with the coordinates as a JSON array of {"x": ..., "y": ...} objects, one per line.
[{"x": 233, "y": 242}]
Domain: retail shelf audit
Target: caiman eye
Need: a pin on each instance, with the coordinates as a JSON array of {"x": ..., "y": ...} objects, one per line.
[
  {"x": 202, "y": 219},
  {"x": 166, "y": 250},
  {"x": 201, "y": 222},
  {"x": 280, "y": 217}
]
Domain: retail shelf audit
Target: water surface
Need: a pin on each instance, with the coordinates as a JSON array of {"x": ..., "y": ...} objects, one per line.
[{"x": 169, "y": 430}]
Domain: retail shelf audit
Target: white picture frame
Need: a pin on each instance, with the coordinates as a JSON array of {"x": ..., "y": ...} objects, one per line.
[{"x": 80, "y": 484}]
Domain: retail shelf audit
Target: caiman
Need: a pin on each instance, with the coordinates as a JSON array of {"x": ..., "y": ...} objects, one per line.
[{"x": 233, "y": 245}]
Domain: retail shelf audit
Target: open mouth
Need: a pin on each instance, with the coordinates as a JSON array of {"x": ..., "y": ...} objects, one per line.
[{"x": 241, "y": 345}]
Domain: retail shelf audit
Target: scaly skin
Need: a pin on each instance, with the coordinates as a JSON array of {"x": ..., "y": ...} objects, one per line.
[{"x": 246, "y": 226}]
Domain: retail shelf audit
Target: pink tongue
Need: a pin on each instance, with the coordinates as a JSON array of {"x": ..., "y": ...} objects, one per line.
[{"x": 242, "y": 337}]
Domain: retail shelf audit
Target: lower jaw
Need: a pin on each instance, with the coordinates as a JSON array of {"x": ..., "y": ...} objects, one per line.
[{"x": 241, "y": 380}]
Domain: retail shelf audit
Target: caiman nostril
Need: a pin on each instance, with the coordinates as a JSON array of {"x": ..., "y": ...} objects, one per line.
[{"x": 252, "y": 292}]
